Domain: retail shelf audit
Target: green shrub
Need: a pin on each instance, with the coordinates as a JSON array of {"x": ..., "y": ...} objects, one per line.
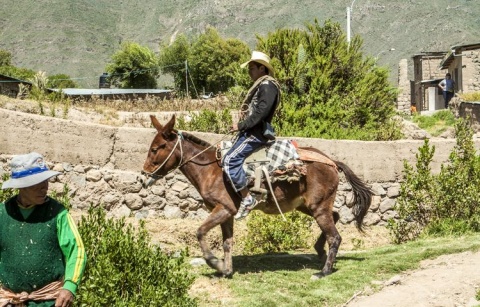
[
  {"x": 270, "y": 233},
  {"x": 207, "y": 121},
  {"x": 443, "y": 204},
  {"x": 125, "y": 269},
  {"x": 8, "y": 193}
]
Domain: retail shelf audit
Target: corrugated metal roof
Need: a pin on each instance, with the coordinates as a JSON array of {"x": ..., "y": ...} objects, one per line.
[
  {"x": 455, "y": 50},
  {"x": 432, "y": 81},
  {"x": 108, "y": 91},
  {"x": 430, "y": 54}
]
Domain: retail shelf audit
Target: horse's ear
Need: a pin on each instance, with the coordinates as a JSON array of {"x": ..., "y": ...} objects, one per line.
[
  {"x": 168, "y": 128},
  {"x": 155, "y": 123}
]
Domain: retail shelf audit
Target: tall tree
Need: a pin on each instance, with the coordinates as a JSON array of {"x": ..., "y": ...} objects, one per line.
[
  {"x": 172, "y": 60},
  {"x": 212, "y": 61},
  {"x": 134, "y": 66},
  {"x": 330, "y": 89}
]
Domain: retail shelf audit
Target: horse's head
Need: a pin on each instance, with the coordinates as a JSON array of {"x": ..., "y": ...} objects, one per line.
[{"x": 162, "y": 157}]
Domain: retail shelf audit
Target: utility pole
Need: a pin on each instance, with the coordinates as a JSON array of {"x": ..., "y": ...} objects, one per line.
[
  {"x": 349, "y": 18},
  {"x": 186, "y": 76}
]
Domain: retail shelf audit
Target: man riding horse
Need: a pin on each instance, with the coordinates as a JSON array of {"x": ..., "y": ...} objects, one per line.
[{"x": 258, "y": 109}]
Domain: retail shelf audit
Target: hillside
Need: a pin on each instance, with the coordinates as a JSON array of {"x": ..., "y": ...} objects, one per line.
[{"x": 78, "y": 37}]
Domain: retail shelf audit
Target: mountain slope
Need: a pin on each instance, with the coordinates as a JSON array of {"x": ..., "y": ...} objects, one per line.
[{"x": 78, "y": 37}]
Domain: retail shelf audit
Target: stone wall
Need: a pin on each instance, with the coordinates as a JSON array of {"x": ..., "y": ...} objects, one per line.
[
  {"x": 102, "y": 164},
  {"x": 404, "y": 96},
  {"x": 471, "y": 71},
  {"x": 472, "y": 110}
]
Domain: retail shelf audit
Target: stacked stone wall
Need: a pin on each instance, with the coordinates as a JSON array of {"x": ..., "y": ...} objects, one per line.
[{"x": 101, "y": 165}]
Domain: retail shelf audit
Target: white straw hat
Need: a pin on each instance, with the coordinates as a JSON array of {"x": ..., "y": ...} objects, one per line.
[
  {"x": 28, "y": 170},
  {"x": 261, "y": 58}
]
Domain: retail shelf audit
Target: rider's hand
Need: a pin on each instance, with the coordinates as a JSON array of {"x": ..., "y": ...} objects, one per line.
[{"x": 234, "y": 128}]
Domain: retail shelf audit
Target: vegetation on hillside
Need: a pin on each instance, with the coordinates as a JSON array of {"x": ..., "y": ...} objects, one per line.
[{"x": 58, "y": 39}]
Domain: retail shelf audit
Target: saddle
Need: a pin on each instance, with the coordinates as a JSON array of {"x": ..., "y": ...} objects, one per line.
[{"x": 280, "y": 160}]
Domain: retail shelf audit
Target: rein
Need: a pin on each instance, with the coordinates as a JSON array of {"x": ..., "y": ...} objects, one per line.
[{"x": 180, "y": 164}]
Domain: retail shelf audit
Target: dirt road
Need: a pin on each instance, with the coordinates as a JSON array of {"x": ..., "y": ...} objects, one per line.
[{"x": 449, "y": 280}]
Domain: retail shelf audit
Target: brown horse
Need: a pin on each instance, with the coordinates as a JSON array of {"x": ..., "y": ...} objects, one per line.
[{"x": 313, "y": 195}]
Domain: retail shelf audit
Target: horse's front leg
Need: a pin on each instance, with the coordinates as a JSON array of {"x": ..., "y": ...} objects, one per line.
[
  {"x": 218, "y": 216},
  {"x": 227, "y": 234}
]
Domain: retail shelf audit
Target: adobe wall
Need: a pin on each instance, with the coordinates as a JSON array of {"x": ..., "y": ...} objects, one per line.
[
  {"x": 471, "y": 71},
  {"x": 102, "y": 164}
]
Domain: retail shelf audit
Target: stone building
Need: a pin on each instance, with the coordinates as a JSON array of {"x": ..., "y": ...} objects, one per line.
[
  {"x": 425, "y": 93},
  {"x": 463, "y": 63}
]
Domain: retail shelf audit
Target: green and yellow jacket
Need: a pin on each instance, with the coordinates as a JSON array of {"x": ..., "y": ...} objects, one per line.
[{"x": 38, "y": 246}]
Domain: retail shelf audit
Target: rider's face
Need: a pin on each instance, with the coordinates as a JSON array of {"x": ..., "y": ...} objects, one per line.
[{"x": 255, "y": 70}]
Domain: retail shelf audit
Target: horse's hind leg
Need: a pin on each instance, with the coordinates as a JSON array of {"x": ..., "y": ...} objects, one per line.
[
  {"x": 326, "y": 221},
  {"x": 219, "y": 215},
  {"x": 322, "y": 239}
]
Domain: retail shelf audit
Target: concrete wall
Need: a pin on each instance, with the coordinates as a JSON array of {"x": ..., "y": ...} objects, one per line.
[{"x": 126, "y": 148}]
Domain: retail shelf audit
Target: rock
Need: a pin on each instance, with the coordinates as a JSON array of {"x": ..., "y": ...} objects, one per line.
[
  {"x": 94, "y": 175},
  {"x": 413, "y": 132},
  {"x": 172, "y": 212},
  {"x": 133, "y": 201}
]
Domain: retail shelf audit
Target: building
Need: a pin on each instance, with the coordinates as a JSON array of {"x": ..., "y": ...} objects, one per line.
[
  {"x": 425, "y": 93},
  {"x": 463, "y": 63},
  {"x": 10, "y": 86}
]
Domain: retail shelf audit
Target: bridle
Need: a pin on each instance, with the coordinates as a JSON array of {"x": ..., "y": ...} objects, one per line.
[
  {"x": 181, "y": 163},
  {"x": 154, "y": 173}
]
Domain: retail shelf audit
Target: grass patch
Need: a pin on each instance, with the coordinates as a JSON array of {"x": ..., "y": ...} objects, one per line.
[
  {"x": 437, "y": 123},
  {"x": 284, "y": 279}
]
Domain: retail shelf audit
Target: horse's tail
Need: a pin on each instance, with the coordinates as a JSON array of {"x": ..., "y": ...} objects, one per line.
[{"x": 362, "y": 195}]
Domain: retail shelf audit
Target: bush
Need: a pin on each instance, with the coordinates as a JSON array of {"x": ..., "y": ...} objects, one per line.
[
  {"x": 474, "y": 96},
  {"x": 8, "y": 193},
  {"x": 270, "y": 233},
  {"x": 443, "y": 204},
  {"x": 207, "y": 121},
  {"x": 124, "y": 269}
]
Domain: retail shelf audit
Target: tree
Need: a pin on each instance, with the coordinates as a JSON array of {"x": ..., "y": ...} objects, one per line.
[
  {"x": 17, "y": 73},
  {"x": 61, "y": 81},
  {"x": 134, "y": 66},
  {"x": 172, "y": 60},
  {"x": 5, "y": 58},
  {"x": 329, "y": 89},
  {"x": 212, "y": 61}
]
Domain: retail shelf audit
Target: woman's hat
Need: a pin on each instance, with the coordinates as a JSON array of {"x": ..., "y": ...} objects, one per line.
[
  {"x": 261, "y": 58},
  {"x": 28, "y": 170}
]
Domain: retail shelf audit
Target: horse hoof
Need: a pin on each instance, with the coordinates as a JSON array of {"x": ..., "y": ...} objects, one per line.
[
  {"x": 318, "y": 276},
  {"x": 228, "y": 275}
]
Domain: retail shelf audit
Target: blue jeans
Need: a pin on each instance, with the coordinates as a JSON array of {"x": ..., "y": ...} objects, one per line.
[
  {"x": 233, "y": 161},
  {"x": 446, "y": 97}
]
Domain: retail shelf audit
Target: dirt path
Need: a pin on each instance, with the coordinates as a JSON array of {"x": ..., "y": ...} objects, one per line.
[{"x": 449, "y": 280}]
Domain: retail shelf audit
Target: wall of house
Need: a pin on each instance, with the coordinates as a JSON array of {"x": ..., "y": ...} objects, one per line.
[
  {"x": 8, "y": 88},
  {"x": 404, "y": 96},
  {"x": 471, "y": 71}
]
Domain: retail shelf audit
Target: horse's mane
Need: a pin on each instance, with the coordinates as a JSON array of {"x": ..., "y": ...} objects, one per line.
[{"x": 190, "y": 137}]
